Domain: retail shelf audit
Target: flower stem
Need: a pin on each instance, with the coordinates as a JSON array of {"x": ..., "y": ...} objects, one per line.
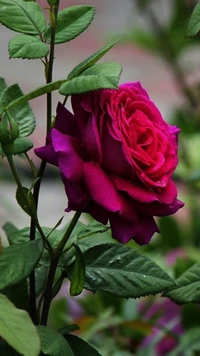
[
  {"x": 48, "y": 295},
  {"x": 53, "y": 17},
  {"x": 36, "y": 191},
  {"x": 35, "y": 223}
]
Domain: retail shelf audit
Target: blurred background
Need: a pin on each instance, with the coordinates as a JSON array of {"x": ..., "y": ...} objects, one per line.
[{"x": 154, "y": 50}]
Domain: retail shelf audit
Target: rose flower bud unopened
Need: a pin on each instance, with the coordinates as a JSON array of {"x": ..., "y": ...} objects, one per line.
[{"x": 116, "y": 156}]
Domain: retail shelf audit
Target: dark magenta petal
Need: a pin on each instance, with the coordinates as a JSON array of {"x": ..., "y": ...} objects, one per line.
[
  {"x": 77, "y": 194},
  {"x": 91, "y": 140},
  {"x": 101, "y": 187},
  {"x": 114, "y": 160},
  {"x": 69, "y": 161},
  {"x": 97, "y": 212},
  {"x": 140, "y": 231},
  {"x": 65, "y": 121},
  {"x": 157, "y": 209},
  {"x": 136, "y": 192},
  {"x": 48, "y": 154}
]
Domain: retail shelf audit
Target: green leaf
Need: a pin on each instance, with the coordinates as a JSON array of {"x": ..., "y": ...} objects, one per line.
[
  {"x": 9, "y": 229},
  {"x": 194, "y": 23},
  {"x": 41, "y": 274},
  {"x": 17, "y": 262},
  {"x": 187, "y": 288},
  {"x": 3, "y": 85},
  {"x": 53, "y": 343},
  {"x": 21, "y": 16},
  {"x": 18, "y": 295},
  {"x": 23, "y": 200},
  {"x": 71, "y": 22},
  {"x": 86, "y": 83},
  {"x": 93, "y": 239},
  {"x": 17, "y": 236},
  {"x": 189, "y": 342},
  {"x": 20, "y": 145},
  {"x": 29, "y": 47},
  {"x": 121, "y": 271},
  {"x": 44, "y": 89},
  {"x": 90, "y": 61},
  {"x": 23, "y": 113},
  {"x": 78, "y": 273},
  {"x": 110, "y": 70},
  {"x": 190, "y": 316},
  {"x": 170, "y": 232},
  {"x": 81, "y": 347},
  {"x": 17, "y": 329},
  {"x": 68, "y": 329}
]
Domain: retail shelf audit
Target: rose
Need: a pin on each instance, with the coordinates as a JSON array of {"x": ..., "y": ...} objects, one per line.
[{"x": 116, "y": 156}]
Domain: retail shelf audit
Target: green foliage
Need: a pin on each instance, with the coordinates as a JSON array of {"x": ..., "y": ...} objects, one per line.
[
  {"x": 53, "y": 343},
  {"x": 189, "y": 342},
  {"x": 26, "y": 46},
  {"x": 22, "y": 114},
  {"x": 194, "y": 23},
  {"x": 170, "y": 231},
  {"x": 80, "y": 347},
  {"x": 190, "y": 316},
  {"x": 17, "y": 329},
  {"x": 9, "y": 229},
  {"x": 78, "y": 273},
  {"x": 3, "y": 85},
  {"x": 102, "y": 76},
  {"x": 71, "y": 22},
  {"x": 18, "y": 295},
  {"x": 121, "y": 271},
  {"x": 41, "y": 273},
  {"x": 187, "y": 287},
  {"x": 17, "y": 262},
  {"x": 22, "y": 199},
  {"x": 16, "y": 236},
  {"x": 20, "y": 145},
  {"x": 90, "y": 61},
  {"x": 44, "y": 89},
  {"x": 22, "y": 16}
]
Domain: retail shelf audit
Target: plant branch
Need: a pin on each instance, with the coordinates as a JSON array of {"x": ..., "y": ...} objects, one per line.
[
  {"x": 48, "y": 293},
  {"x": 36, "y": 191},
  {"x": 53, "y": 17}
]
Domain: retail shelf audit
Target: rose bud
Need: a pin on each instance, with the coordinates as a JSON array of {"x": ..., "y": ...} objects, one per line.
[
  {"x": 116, "y": 156},
  {"x": 9, "y": 132}
]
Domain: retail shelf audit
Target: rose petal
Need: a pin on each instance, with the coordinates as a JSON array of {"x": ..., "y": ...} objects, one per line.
[
  {"x": 48, "y": 154},
  {"x": 136, "y": 85},
  {"x": 141, "y": 231},
  {"x": 158, "y": 209},
  {"x": 65, "y": 121},
  {"x": 77, "y": 193},
  {"x": 70, "y": 163},
  {"x": 112, "y": 150},
  {"x": 139, "y": 193},
  {"x": 97, "y": 212},
  {"x": 91, "y": 140},
  {"x": 169, "y": 194},
  {"x": 101, "y": 187}
]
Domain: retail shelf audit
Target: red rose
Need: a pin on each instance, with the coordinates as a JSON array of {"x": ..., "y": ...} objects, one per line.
[{"x": 116, "y": 155}]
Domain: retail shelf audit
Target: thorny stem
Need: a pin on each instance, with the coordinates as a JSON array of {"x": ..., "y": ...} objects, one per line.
[
  {"x": 36, "y": 191},
  {"x": 48, "y": 295}
]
